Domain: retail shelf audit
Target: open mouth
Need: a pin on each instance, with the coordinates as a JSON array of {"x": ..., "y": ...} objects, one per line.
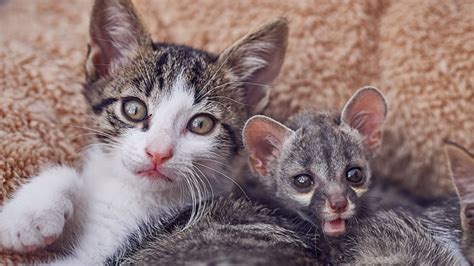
[{"x": 335, "y": 227}]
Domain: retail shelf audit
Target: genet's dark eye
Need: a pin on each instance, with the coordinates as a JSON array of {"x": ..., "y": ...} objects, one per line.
[
  {"x": 355, "y": 176},
  {"x": 201, "y": 124},
  {"x": 134, "y": 109},
  {"x": 303, "y": 181}
]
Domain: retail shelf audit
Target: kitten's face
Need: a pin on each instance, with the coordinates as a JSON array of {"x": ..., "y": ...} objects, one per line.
[
  {"x": 164, "y": 114},
  {"x": 171, "y": 114},
  {"x": 322, "y": 171},
  {"x": 318, "y": 166}
]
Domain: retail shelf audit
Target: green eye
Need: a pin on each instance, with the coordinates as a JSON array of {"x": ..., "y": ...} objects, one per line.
[
  {"x": 134, "y": 109},
  {"x": 201, "y": 124}
]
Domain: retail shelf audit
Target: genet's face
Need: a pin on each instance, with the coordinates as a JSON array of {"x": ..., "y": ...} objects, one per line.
[{"x": 322, "y": 172}]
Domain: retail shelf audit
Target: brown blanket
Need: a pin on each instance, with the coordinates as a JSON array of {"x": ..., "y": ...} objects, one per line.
[{"x": 419, "y": 53}]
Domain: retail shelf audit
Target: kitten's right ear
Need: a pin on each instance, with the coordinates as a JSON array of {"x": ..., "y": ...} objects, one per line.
[
  {"x": 255, "y": 61},
  {"x": 366, "y": 111},
  {"x": 116, "y": 32},
  {"x": 264, "y": 138},
  {"x": 461, "y": 167}
]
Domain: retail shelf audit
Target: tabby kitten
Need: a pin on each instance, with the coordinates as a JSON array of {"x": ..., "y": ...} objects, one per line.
[{"x": 167, "y": 120}]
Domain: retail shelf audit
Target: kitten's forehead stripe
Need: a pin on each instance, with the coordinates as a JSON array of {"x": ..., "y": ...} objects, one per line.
[
  {"x": 161, "y": 62},
  {"x": 158, "y": 73},
  {"x": 161, "y": 83}
]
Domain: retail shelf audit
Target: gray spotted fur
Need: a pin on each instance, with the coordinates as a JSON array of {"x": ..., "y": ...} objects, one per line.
[{"x": 410, "y": 237}]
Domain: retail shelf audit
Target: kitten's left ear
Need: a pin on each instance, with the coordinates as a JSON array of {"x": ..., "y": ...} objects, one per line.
[
  {"x": 256, "y": 60},
  {"x": 264, "y": 138},
  {"x": 366, "y": 111},
  {"x": 461, "y": 167}
]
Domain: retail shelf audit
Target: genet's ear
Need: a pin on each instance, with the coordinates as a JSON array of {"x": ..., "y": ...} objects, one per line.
[
  {"x": 366, "y": 111},
  {"x": 264, "y": 138},
  {"x": 116, "y": 33},
  {"x": 255, "y": 61},
  {"x": 461, "y": 167}
]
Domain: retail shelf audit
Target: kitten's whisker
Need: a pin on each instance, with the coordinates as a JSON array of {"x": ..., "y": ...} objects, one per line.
[
  {"x": 214, "y": 161},
  {"x": 224, "y": 175},
  {"x": 206, "y": 179},
  {"x": 200, "y": 189},
  {"x": 193, "y": 202},
  {"x": 257, "y": 84},
  {"x": 93, "y": 130},
  {"x": 82, "y": 135},
  {"x": 227, "y": 98}
]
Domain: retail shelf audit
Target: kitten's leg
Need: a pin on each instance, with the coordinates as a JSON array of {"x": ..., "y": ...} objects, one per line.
[{"x": 36, "y": 215}]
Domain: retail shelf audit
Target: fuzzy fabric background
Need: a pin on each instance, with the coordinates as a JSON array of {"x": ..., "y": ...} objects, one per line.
[{"x": 419, "y": 53}]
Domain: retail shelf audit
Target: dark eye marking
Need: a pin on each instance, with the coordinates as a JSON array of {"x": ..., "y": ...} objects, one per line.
[
  {"x": 99, "y": 108},
  {"x": 232, "y": 137},
  {"x": 115, "y": 122}
]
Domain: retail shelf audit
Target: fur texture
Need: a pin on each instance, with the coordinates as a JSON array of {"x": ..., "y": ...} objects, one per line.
[
  {"x": 234, "y": 231},
  {"x": 408, "y": 238}
]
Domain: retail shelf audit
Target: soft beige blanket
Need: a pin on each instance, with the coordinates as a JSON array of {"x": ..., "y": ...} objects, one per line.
[{"x": 419, "y": 53}]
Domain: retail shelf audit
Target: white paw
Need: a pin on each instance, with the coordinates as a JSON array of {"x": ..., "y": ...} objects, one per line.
[
  {"x": 36, "y": 215},
  {"x": 32, "y": 227}
]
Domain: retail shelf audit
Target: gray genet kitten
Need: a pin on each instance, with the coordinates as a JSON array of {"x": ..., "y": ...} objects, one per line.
[
  {"x": 319, "y": 167},
  {"x": 319, "y": 164}
]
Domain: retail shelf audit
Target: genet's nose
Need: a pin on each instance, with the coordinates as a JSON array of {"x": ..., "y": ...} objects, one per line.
[
  {"x": 338, "y": 203},
  {"x": 158, "y": 158}
]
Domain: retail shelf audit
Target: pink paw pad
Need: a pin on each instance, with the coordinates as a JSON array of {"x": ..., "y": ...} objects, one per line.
[{"x": 49, "y": 240}]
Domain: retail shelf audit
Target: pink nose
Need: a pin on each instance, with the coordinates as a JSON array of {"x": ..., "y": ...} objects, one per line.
[
  {"x": 158, "y": 158},
  {"x": 338, "y": 203}
]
